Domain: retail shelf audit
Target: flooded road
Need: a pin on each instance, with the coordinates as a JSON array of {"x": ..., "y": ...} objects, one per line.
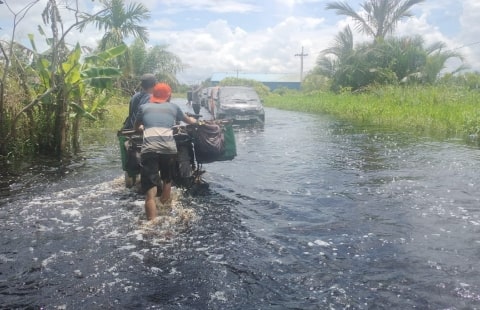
[{"x": 311, "y": 214}]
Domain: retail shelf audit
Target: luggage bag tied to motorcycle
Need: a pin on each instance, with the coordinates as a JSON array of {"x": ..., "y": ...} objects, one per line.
[{"x": 214, "y": 141}]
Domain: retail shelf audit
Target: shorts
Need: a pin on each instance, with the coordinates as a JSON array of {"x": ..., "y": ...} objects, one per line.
[{"x": 152, "y": 164}]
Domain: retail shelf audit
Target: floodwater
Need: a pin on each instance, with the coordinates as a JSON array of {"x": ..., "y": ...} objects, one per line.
[{"x": 312, "y": 214}]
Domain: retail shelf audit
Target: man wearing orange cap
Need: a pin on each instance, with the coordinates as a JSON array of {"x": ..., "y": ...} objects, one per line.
[{"x": 159, "y": 149}]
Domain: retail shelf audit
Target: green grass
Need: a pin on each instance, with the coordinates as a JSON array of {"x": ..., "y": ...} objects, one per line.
[
  {"x": 433, "y": 110},
  {"x": 439, "y": 111},
  {"x": 109, "y": 120}
]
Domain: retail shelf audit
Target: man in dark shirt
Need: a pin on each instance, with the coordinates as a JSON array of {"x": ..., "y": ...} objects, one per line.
[
  {"x": 147, "y": 82},
  {"x": 159, "y": 149}
]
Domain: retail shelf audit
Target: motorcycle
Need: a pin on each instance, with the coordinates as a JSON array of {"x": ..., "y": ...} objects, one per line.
[{"x": 201, "y": 143}]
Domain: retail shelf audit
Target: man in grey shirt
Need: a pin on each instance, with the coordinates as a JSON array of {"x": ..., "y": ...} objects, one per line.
[{"x": 159, "y": 149}]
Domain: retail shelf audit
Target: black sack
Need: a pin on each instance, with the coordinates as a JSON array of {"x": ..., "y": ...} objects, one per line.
[{"x": 209, "y": 142}]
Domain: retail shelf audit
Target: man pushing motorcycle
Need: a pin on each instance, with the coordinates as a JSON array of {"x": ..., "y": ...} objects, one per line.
[{"x": 158, "y": 153}]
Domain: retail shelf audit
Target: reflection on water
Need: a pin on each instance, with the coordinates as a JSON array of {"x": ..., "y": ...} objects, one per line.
[{"x": 310, "y": 215}]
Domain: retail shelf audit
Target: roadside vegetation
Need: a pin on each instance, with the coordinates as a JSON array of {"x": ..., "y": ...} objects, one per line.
[
  {"x": 441, "y": 111},
  {"x": 47, "y": 95},
  {"x": 50, "y": 97},
  {"x": 394, "y": 82}
]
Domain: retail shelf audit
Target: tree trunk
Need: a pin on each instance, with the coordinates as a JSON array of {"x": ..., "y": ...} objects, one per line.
[
  {"x": 60, "y": 134},
  {"x": 3, "y": 118},
  {"x": 3, "y": 127},
  {"x": 76, "y": 133}
]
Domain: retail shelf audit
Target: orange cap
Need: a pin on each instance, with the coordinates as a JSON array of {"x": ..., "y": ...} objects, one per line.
[{"x": 161, "y": 92}]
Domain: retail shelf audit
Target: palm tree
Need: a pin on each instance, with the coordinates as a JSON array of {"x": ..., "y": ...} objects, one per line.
[
  {"x": 411, "y": 60},
  {"x": 343, "y": 44},
  {"x": 378, "y": 17},
  {"x": 164, "y": 64},
  {"x": 405, "y": 56},
  {"x": 436, "y": 61},
  {"x": 332, "y": 57},
  {"x": 138, "y": 54},
  {"x": 119, "y": 22},
  {"x": 359, "y": 69},
  {"x": 157, "y": 60}
]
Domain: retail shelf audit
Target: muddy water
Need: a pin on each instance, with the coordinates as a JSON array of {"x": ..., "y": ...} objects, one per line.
[{"x": 312, "y": 214}]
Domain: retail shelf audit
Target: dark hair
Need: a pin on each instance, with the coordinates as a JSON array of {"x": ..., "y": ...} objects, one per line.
[{"x": 148, "y": 80}]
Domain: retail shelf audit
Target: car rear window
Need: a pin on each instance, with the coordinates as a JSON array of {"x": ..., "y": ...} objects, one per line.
[{"x": 238, "y": 93}]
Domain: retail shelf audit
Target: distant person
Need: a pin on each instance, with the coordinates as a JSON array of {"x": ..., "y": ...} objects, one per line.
[
  {"x": 159, "y": 149},
  {"x": 147, "y": 82},
  {"x": 196, "y": 99}
]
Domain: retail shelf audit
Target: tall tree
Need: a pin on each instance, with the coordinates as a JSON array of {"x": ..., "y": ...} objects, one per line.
[
  {"x": 164, "y": 64},
  {"x": 157, "y": 60},
  {"x": 138, "y": 55},
  {"x": 378, "y": 18},
  {"x": 119, "y": 21}
]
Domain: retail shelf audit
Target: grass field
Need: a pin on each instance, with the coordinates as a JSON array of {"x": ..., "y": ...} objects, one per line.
[{"x": 439, "y": 111}]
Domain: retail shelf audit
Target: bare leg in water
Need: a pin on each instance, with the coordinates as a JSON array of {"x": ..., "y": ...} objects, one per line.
[
  {"x": 166, "y": 190},
  {"x": 150, "y": 204}
]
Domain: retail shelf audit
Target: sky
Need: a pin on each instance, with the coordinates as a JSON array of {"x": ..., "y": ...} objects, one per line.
[{"x": 251, "y": 36}]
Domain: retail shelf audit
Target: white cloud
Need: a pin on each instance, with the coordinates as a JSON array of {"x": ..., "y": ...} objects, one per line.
[
  {"x": 31, "y": 16},
  {"x": 218, "y": 47},
  {"x": 218, "y": 6},
  {"x": 292, "y": 3},
  {"x": 226, "y": 45},
  {"x": 33, "y": 19},
  {"x": 203, "y": 42},
  {"x": 470, "y": 42},
  {"x": 165, "y": 23}
]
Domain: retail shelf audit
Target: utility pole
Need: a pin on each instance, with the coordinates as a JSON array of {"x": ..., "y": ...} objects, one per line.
[{"x": 302, "y": 54}]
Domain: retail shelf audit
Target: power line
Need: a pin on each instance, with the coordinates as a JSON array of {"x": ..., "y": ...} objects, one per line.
[{"x": 466, "y": 45}]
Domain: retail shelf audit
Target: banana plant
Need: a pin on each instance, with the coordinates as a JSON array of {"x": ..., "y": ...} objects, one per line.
[
  {"x": 90, "y": 83},
  {"x": 83, "y": 83},
  {"x": 93, "y": 76}
]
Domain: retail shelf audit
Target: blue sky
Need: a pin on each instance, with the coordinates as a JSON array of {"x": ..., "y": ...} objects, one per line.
[{"x": 264, "y": 36}]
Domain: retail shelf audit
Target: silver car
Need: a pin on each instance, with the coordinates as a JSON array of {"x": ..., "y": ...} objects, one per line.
[{"x": 238, "y": 103}]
